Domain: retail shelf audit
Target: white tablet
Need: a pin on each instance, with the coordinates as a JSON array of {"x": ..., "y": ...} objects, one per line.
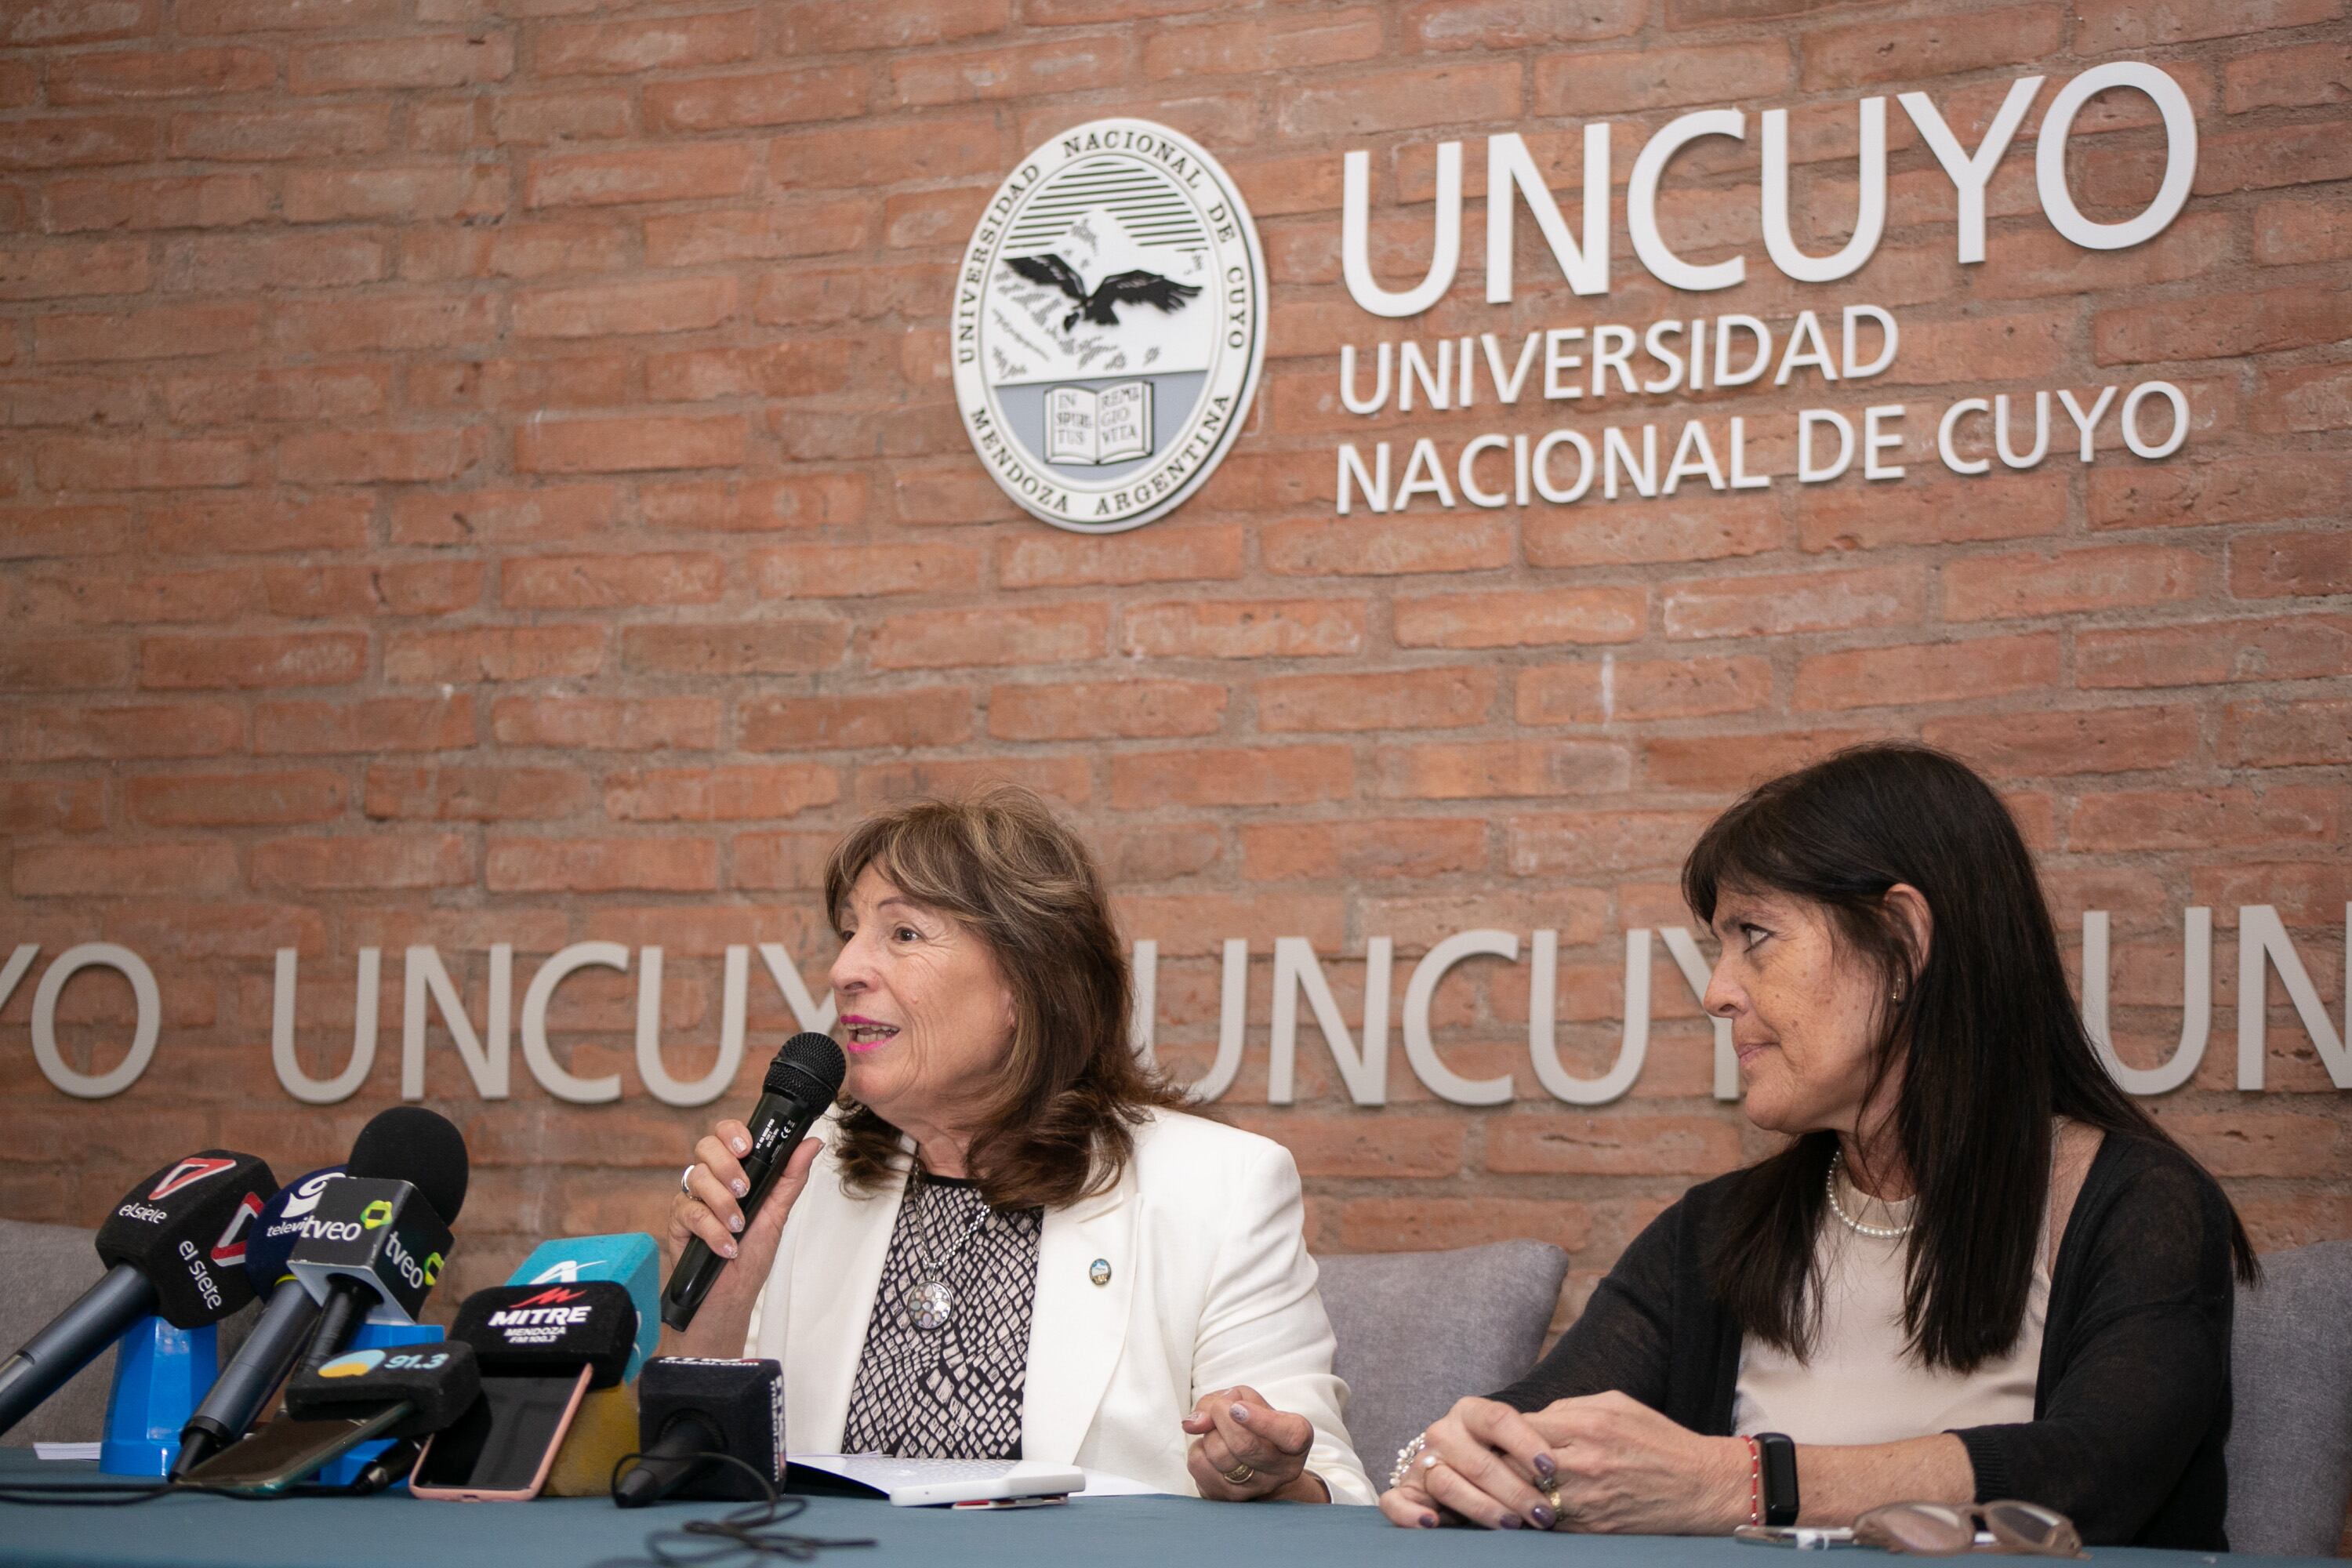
[{"x": 988, "y": 1481}]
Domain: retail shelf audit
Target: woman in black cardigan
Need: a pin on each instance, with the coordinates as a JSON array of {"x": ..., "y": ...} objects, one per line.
[{"x": 1976, "y": 1271}]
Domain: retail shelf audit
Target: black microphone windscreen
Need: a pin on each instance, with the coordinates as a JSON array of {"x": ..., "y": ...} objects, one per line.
[
  {"x": 742, "y": 1401},
  {"x": 439, "y": 1378},
  {"x": 281, "y": 1225},
  {"x": 185, "y": 1227},
  {"x": 815, "y": 1060},
  {"x": 423, "y": 1148},
  {"x": 551, "y": 1330}
]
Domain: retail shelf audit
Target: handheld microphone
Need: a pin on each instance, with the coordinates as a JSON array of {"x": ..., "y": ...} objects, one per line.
[
  {"x": 688, "y": 1407},
  {"x": 173, "y": 1246},
  {"x": 404, "y": 1143},
  {"x": 801, "y": 1083}
]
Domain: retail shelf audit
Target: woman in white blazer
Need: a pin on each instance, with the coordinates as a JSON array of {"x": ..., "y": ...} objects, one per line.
[{"x": 1008, "y": 1240}]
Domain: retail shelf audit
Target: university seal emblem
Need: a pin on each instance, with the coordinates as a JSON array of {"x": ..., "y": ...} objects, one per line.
[{"x": 1109, "y": 325}]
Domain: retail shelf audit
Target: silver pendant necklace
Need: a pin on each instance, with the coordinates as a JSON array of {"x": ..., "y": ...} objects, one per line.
[{"x": 930, "y": 1300}]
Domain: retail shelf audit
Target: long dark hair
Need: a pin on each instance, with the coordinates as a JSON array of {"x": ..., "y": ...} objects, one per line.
[
  {"x": 1985, "y": 1033},
  {"x": 1059, "y": 1123}
]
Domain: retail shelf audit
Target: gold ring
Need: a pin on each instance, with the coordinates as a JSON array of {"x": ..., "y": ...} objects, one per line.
[{"x": 1240, "y": 1475}]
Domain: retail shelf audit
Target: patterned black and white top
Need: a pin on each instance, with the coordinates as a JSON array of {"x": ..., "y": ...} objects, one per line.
[{"x": 952, "y": 1392}]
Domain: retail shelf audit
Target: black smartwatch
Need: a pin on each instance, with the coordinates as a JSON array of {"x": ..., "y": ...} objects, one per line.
[{"x": 1780, "y": 1455}]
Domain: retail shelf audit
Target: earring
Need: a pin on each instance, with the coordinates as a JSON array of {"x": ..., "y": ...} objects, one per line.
[{"x": 1895, "y": 997}]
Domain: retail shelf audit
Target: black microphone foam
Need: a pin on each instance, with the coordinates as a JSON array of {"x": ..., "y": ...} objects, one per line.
[
  {"x": 817, "y": 1061},
  {"x": 184, "y": 1228},
  {"x": 436, "y": 1381},
  {"x": 423, "y": 1148},
  {"x": 688, "y": 1407},
  {"x": 551, "y": 1330}
]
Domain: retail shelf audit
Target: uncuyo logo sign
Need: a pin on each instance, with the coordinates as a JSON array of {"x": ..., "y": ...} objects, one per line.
[{"x": 1109, "y": 325}]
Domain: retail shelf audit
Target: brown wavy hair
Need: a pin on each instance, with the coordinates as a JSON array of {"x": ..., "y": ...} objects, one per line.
[{"x": 1060, "y": 1124}]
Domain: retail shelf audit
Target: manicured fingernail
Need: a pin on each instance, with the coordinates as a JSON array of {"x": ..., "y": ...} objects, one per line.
[
  {"x": 1241, "y": 1414},
  {"x": 1512, "y": 1522},
  {"x": 735, "y": 1222},
  {"x": 743, "y": 1145},
  {"x": 1545, "y": 1467},
  {"x": 728, "y": 1250},
  {"x": 1429, "y": 1522},
  {"x": 1541, "y": 1517}
]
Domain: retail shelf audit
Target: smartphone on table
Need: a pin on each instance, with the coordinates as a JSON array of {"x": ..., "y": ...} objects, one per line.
[
  {"x": 269, "y": 1461},
  {"x": 501, "y": 1448}
]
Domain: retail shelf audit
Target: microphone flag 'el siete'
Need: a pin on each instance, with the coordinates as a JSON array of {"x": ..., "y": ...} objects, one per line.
[
  {"x": 173, "y": 1246},
  {"x": 688, "y": 1407},
  {"x": 801, "y": 1083}
]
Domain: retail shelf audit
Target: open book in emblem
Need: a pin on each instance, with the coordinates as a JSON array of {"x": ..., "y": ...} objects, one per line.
[{"x": 1093, "y": 426}]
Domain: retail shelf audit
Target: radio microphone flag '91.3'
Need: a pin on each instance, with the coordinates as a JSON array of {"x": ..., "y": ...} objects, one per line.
[
  {"x": 175, "y": 1247},
  {"x": 801, "y": 1083}
]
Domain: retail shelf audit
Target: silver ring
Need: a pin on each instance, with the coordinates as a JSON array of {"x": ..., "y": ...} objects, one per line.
[
  {"x": 686, "y": 1180},
  {"x": 1241, "y": 1475}
]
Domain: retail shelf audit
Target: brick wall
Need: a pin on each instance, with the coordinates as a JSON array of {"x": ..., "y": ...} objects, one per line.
[{"x": 486, "y": 472}]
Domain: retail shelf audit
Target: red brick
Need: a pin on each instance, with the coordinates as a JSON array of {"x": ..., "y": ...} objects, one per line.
[
  {"x": 2270, "y": 489},
  {"x": 693, "y": 172},
  {"x": 163, "y": 333},
  {"x": 1451, "y": 25},
  {"x": 609, "y": 309},
  {"x": 270, "y": 16},
  {"x": 620, "y": 446},
  {"x": 1700, "y": 528},
  {"x": 2294, "y": 230},
  {"x": 305, "y": 658},
  {"x": 1366, "y": 1144},
  {"x": 65, "y": 142},
  {"x": 74, "y": 400},
  {"x": 1422, "y": 1224},
  {"x": 2295, "y": 647},
  {"x": 1262, "y": 775},
  {"x": 1804, "y": 602},
  {"x": 2305, "y": 398},
  {"x": 610, "y": 581},
  {"x": 757, "y": 647},
  {"x": 1587, "y": 842},
  {"x": 1595, "y": 84},
  {"x": 46, "y": 871},
  {"x": 2271, "y": 565},
  {"x": 922, "y": 716},
  {"x": 375, "y": 860},
  {"x": 2293, "y": 77},
  {"x": 436, "y": 793},
  {"x": 2218, "y": 326},
  {"x": 2006, "y": 587},
  {"x": 862, "y": 570},
  {"x": 1400, "y": 699},
  {"x": 1065, "y": 779},
  {"x": 915, "y": 219},
  {"x": 492, "y": 653},
  {"x": 1102, "y": 709},
  {"x": 1927, "y": 672},
  {"x": 1041, "y": 635},
  {"x": 1614, "y": 690},
  {"x": 667, "y": 864},
  {"x": 327, "y": 391},
  {"x": 1947, "y": 511},
  {"x": 539, "y": 515},
  {"x": 395, "y": 321},
  {"x": 378, "y": 724},
  {"x": 1050, "y": 559},
  {"x": 1500, "y": 769},
  {"x": 1070, "y": 65},
  {"x": 416, "y": 60},
  {"x": 604, "y": 724},
  {"x": 410, "y": 192},
  {"x": 1522, "y": 617},
  {"x": 128, "y": 463},
  {"x": 1409, "y": 848},
  {"x": 112, "y": 76},
  {"x": 869, "y": 156},
  {"x": 823, "y": 28},
  {"x": 375, "y": 456},
  {"x": 1257, "y": 44},
  {"x": 271, "y": 135},
  {"x": 2198, "y": 819},
  {"x": 789, "y": 861},
  {"x": 721, "y": 794},
  {"x": 2287, "y": 734},
  {"x": 30, "y": 532},
  {"x": 772, "y": 370},
  {"x": 223, "y": 800},
  {"x": 2096, "y": 740},
  {"x": 1402, "y": 100},
  {"x": 759, "y": 234},
  {"x": 89, "y": 597},
  {"x": 1973, "y": 349},
  {"x": 52, "y": 805},
  {"x": 614, "y": 48},
  {"x": 88, "y": 21},
  {"x": 199, "y": 201},
  {"x": 530, "y": 388},
  {"x": 2309, "y": 893},
  {"x": 771, "y": 98},
  {"x": 2102, "y": 27},
  {"x": 1557, "y": 1144},
  {"x": 181, "y": 730},
  {"x": 801, "y": 500},
  {"x": 1384, "y": 546},
  {"x": 63, "y": 271},
  {"x": 515, "y": 249}
]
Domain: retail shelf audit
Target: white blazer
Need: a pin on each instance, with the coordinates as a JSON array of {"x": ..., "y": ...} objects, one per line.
[{"x": 1209, "y": 1285}]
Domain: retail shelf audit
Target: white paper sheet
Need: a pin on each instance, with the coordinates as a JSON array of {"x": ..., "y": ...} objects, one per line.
[
  {"x": 883, "y": 1472},
  {"x": 66, "y": 1450}
]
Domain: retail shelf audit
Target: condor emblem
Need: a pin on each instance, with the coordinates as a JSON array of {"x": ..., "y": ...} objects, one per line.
[{"x": 1109, "y": 325}]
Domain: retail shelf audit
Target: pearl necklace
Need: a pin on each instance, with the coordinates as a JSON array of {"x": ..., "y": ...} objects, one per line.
[{"x": 1880, "y": 1231}]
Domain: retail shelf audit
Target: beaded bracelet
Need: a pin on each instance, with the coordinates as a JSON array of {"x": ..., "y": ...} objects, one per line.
[
  {"x": 1405, "y": 1457},
  {"x": 1755, "y": 1481}
]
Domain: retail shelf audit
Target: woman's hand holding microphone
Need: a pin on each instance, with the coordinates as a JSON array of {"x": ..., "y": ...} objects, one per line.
[{"x": 707, "y": 1206}]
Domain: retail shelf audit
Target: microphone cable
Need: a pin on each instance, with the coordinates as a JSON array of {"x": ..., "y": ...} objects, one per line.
[{"x": 701, "y": 1543}]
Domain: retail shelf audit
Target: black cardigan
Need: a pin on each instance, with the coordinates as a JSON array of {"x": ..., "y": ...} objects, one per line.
[{"x": 2131, "y": 1399}]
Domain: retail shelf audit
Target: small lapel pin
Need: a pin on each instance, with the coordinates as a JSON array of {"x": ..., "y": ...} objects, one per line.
[{"x": 1100, "y": 1271}]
